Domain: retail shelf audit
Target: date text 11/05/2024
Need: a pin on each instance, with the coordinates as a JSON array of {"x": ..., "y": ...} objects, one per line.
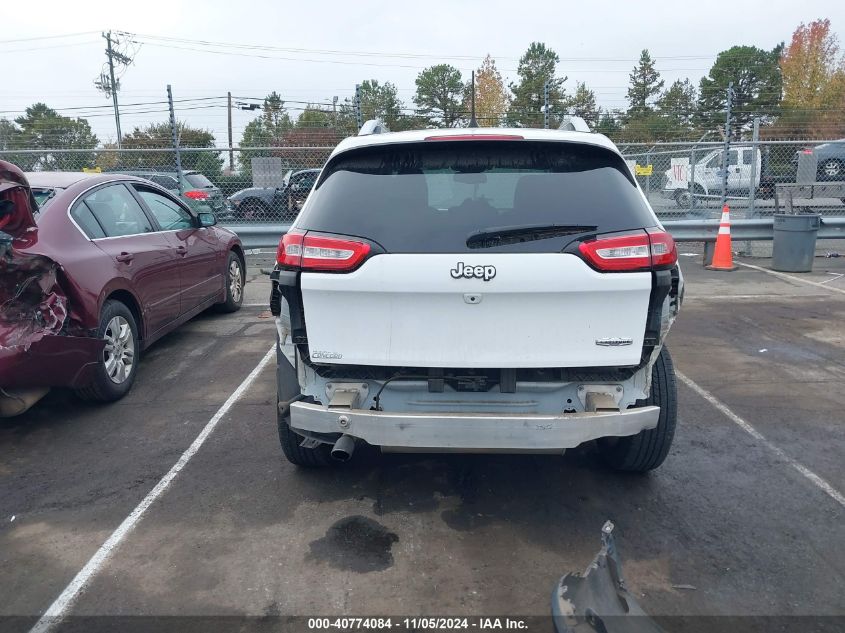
[{"x": 418, "y": 623}]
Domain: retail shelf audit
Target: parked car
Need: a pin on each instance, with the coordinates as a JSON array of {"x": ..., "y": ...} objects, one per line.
[
  {"x": 274, "y": 203},
  {"x": 830, "y": 158},
  {"x": 95, "y": 275},
  {"x": 504, "y": 290},
  {"x": 197, "y": 191}
]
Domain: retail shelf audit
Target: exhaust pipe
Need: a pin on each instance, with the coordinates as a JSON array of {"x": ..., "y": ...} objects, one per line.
[{"x": 342, "y": 449}]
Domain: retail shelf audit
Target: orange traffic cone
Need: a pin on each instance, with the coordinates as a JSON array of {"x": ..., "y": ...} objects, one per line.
[{"x": 722, "y": 255}]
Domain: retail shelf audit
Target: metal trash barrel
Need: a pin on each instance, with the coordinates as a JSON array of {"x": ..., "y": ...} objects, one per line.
[{"x": 794, "y": 242}]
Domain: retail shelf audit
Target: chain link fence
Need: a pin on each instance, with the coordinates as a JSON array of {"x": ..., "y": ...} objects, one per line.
[
  {"x": 681, "y": 180},
  {"x": 685, "y": 180}
]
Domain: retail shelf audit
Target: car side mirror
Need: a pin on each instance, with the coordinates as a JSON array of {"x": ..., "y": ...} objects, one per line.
[{"x": 207, "y": 219}]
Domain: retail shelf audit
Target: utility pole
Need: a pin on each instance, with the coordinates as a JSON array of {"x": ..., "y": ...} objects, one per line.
[
  {"x": 334, "y": 110},
  {"x": 472, "y": 120},
  {"x": 175, "y": 134},
  {"x": 546, "y": 105},
  {"x": 727, "y": 147},
  {"x": 231, "y": 149},
  {"x": 108, "y": 83}
]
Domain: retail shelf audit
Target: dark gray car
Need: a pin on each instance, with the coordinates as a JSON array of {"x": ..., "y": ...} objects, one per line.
[
  {"x": 830, "y": 158},
  {"x": 274, "y": 203}
]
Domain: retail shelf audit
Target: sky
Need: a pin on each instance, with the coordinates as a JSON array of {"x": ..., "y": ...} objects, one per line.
[{"x": 313, "y": 51}]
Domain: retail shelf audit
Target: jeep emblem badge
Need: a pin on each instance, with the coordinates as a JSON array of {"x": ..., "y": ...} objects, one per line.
[{"x": 461, "y": 270}]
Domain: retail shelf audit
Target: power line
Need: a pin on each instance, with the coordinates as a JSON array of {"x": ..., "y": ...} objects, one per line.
[{"x": 47, "y": 37}]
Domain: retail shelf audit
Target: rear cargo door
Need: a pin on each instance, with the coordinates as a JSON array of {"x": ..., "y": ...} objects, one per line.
[{"x": 473, "y": 262}]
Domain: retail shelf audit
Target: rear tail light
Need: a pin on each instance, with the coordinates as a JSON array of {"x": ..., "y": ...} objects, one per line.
[
  {"x": 664, "y": 253},
  {"x": 195, "y": 194},
  {"x": 312, "y": 252},
  {"x": 653, "y": 248}
]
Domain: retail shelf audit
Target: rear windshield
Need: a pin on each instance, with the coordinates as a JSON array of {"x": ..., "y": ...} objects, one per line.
[
  {"x": 199, "y": 181},
  {"x": 43, "y": 195},
  {"x": 453, "y": 197}
]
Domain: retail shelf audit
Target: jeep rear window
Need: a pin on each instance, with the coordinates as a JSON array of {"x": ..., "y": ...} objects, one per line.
[{"x": 430, "y": 197}]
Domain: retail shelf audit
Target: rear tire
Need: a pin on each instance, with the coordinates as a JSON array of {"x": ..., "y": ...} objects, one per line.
[
  {"x": 252, "y": 211},
  {"x": 648, "y": 449},
  {"x": 683, "y": 197},
  {"x": 318, "y": 457},
  {"x": 115, "y": 373}
]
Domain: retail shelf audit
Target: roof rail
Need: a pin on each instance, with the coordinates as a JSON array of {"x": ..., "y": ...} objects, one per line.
[
  {"x": 373, "y": 126},
  {"x": 572, "y": 123}
]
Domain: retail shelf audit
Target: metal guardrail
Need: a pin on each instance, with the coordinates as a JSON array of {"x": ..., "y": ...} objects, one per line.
[
  {"x": 745, "y": 230},
  {"x": 257, "y": 235},
  {"x": 254, "y": 236}
]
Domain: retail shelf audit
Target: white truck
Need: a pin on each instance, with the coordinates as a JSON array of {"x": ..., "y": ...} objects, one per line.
[{"x": 707, "y": 175}]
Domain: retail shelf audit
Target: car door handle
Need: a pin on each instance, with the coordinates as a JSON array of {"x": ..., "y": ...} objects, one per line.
[
  {"x": 125, "y": 257},
  {"x": 182, "y": 250}
]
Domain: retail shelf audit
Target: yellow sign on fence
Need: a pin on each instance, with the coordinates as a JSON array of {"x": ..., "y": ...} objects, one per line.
[
  {"x": 92, "y": 170},
  {"x": 643, "y": 170}
]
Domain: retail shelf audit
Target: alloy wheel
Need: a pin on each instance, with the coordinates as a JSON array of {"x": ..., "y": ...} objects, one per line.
[
  {"x": 235, "y": 280},
  {"x": 119, "y": 352}
]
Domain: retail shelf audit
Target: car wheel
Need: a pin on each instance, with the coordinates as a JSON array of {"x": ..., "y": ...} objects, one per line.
[
  {"x": 683, "y": 198},
  {"x": 647, "y": 449},
  {"x": 115, "y": 372},
  {"x": 252, "y": 211},
  {"x": 832, "y": 170},
  {"x": 316, "y": 457},
  {"x": 234, "y": 284}
]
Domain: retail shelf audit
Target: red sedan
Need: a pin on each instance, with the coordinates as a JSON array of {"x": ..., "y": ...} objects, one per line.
[{"x": 106, "y": 266}]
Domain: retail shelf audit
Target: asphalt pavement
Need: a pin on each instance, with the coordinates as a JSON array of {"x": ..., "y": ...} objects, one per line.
[{"x": 742, "y": 519}]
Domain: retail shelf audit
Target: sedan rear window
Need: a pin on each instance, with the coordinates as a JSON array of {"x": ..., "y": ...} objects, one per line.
[
  {"x": 199, "y": 181},
  {"x": 451, "y": 197}
]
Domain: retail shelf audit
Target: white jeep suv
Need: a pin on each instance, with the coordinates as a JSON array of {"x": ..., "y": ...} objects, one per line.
[{"x": 476, "y": 290}]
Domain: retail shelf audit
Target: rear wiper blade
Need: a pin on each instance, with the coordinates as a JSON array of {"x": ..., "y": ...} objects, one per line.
[{"x": 503, "y": 235}]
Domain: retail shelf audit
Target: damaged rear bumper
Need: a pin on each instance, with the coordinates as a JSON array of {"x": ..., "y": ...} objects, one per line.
[
  {"x": 476, "y": 431},
  {"x": 52, "y": 361},
  {"x": 43, "y": 342}
]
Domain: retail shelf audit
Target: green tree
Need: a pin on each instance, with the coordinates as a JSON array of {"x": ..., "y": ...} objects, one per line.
[
  {"x": 645, "y": 85},
  {"x": 583, "y": 104},
  {"x": 609, "y": 123},
  {"x": 677, "y": 109},
  {"x": 757, "y": 84},
  {"x": 159, "y": 136},
  {"x": 314, "y": 116},
  {"x": 381, "y": 101},
  {"x": 440, "y": 90},
  {"x": 537, "y": 66},
  {"x": 8, "y": 134},
  {"x": 265, "y": 131},
  {"x": 42, "y": 128},
  {"x": 378, "y": 101}
]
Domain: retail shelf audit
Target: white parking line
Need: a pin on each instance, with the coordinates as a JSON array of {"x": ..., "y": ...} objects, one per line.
[
  {"x": 745, "y": 426},
  {"x": 792, "y": 277},
  {"x": 58, "y": 610}
]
